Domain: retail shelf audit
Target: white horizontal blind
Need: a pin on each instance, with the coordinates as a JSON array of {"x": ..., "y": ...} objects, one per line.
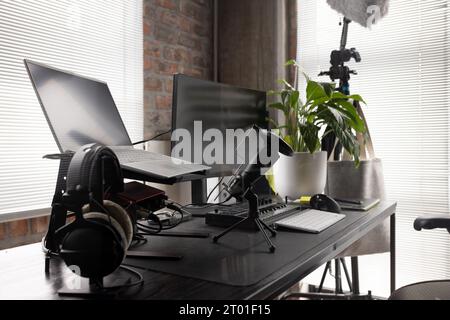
[
  {"x": 405, "y": 78},
  {"x": 101, "y": 39}
]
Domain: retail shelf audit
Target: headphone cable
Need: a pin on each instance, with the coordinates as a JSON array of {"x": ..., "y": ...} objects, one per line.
[{"x": 138, "y": 282}]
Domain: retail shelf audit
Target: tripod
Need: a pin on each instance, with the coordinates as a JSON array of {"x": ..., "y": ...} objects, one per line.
[
  {"x": 253, "y": 217},
  {"x": 339, "y": 71}
]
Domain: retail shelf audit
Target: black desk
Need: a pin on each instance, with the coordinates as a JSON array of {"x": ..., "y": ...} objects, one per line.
[{"x": 22, "y": 273}]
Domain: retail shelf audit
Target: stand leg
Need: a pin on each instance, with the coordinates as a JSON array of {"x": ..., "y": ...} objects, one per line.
[
  {"x": 273, "y": 232},
  {"x": 337, "y": 264},
  {"x": 47, "y": 264},
  {"x": 253, "y": 217},
  {"x": 324, "y": 276},
  {"x": 393, "y": 255},
  {"x": 227, "y": 231},
  {"x": 347, "y": 274},
  {"x": 260, "y": 225},
  {"x": 355, "y": 275}
]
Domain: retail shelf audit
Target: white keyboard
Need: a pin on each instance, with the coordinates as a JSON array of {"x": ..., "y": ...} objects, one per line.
[{"x": 312, "y": 221}]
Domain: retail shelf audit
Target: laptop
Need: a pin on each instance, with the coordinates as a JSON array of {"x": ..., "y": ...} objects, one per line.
[{"x": 80, "y": 111}]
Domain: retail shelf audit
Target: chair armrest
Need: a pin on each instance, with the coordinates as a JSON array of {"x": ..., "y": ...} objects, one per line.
[{"x": 431, "y": 222}]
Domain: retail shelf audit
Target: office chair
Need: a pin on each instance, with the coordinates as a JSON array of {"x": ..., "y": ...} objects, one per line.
[{"x": 431, "y": 290}]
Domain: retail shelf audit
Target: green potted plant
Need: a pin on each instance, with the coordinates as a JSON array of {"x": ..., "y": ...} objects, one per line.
[{"x": 304, "y": 124}]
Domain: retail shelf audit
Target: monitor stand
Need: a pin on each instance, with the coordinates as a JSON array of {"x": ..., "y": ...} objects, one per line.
[
  {"x": 200, "y": 192},
  {"x": 199, "y": 207}
]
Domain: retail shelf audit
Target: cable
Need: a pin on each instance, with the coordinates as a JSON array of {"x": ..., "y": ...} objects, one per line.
[
  {"x": 212, "y": 191},
  {"x": 138, "y": 240},
  {"x": 107, "y": 212},
  {"x": 207, "y": 205},
  {"x": 146, "y": 230},
  {"x": 47, "y": 251},
  {"x": 140, "y": 280},
  {"x": 155, "y": 137},
  {"x": 233, "y": 180}
]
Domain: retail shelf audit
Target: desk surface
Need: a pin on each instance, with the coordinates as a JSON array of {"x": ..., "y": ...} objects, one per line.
[{"x": 22, "y": 273}]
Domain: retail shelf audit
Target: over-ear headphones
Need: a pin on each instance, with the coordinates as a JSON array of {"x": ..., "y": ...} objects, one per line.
[{"x": 97, "y": 241}]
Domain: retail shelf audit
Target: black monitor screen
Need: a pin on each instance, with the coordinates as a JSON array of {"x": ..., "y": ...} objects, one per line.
[
  {"x": 79, "y": 110},
  {"x": 217, "y": 106}
]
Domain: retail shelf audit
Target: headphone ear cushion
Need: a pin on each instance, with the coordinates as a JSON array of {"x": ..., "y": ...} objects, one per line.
[
  {"x": 121, "y": 216},
  {"x": 95, "y": 246},
  {"x": 107, "y": 220}
]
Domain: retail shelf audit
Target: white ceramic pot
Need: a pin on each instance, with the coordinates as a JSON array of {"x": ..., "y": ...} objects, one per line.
[{"x": 304, "y": 174}]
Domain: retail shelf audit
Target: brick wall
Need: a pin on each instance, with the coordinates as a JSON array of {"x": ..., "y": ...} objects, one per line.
[
  {"x": 177, "y": 39},
  {"x": 21, "y": 232}
]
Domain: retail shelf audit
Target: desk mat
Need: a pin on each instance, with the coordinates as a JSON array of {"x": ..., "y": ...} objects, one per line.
[{"x": 239, "y": 259}]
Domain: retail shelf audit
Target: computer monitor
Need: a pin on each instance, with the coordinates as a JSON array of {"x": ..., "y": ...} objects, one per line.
[
  {"x": 217, "y": 106},
  {"x": 79, "y": 110}
]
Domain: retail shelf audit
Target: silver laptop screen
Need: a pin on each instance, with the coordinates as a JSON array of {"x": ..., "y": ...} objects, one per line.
[{"x": 79, "y": 110}]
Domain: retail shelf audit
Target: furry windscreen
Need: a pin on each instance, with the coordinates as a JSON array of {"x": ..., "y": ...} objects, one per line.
[{"x": 361, "y": 11}]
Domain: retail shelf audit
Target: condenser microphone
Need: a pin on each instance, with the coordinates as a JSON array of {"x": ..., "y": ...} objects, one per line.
[
  {"x": 363, "y": 12},
  {"x": 238, "y": 185}
]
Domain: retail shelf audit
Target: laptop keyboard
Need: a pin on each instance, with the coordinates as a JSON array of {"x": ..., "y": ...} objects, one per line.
[
  {"x": 145, "y": 162},
  {"x": 134, "y": 155}
]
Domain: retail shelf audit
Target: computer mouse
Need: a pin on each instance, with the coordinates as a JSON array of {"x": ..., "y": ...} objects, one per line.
[{"x": 323, "y": 202}]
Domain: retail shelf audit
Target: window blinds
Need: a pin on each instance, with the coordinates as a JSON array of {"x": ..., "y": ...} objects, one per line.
[
  {"x": 405, "y": 78},
  {"x": 101, "y": 39}
]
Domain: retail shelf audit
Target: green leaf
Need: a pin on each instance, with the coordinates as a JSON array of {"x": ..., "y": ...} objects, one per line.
[
  {"x": 350, "y": 111},
  {"x": 329, "y": 88},
  {"x": 315, "y": 91},
  {"x": 287, "y": 84},
  {"x": 319, "y": 102},
  {"x": 273, "y": 123},
  {"x": 289, "y": 140},
  {"x": 284, "y": 95},
  {"x": 311, "y": 117},
  {"x": 279, "y": 106},
  {"x": 337, "y": 115},
  {"x": 348, "y": 141},
  {"x": 310, "y": 134},
  {"x": 294, "y": 99},
  {"x": 339, "y": 95},
  {"x": 291, "y": 63},
  {"x": 357, "y": 97}
]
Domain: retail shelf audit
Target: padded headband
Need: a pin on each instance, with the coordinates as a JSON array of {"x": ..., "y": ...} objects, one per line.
[{"x": 83, "y": 175}]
